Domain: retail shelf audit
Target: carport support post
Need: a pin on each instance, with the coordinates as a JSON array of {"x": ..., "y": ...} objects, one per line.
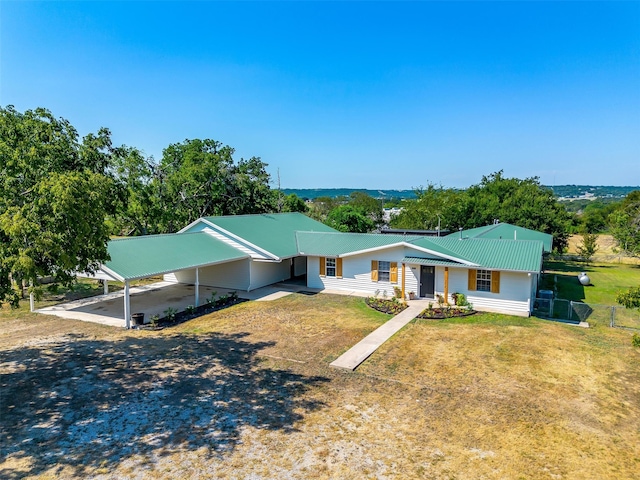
[
  {"x": 197, "y": 286},
  {"x": 106, "y": 286},
  {"x": 127, "y": 305}
]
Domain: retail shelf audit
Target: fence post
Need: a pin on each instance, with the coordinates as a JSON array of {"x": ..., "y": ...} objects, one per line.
[
  {"x": 613, "y": 317},
  {"x": 570, "y": 309}
]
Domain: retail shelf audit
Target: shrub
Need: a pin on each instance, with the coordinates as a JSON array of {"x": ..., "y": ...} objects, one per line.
[
  {"x": 170, "y": 314},
  {"x": 190, "y": 310},
  {"x": 397, "y": 291},
  {"x": 635, "y": 340},
  {"x": 212, "y": 298}
]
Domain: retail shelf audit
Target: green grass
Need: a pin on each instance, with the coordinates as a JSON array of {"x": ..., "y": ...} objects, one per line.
[{"x": 606, "y": 281}]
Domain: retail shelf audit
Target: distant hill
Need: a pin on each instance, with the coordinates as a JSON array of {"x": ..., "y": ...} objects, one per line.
[
  {"x": 562, "y": 191},
  {"x": 312, "y": 193},
  {"x": 591, "y": 191}
]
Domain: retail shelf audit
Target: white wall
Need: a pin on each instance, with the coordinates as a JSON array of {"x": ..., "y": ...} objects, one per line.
[
  {"x": 266, "y": 273},
  {"x": 356, "y": 273},
  {"x": 300, "y": 266},
  {"x": 233, "y": 275}
]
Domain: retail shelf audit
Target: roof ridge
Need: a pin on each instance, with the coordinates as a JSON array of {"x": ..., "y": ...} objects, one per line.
[{"x": 155, "y": 235}]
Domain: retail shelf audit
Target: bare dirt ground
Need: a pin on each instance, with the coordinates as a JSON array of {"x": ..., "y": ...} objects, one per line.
[{"x": 246, "y": 393}]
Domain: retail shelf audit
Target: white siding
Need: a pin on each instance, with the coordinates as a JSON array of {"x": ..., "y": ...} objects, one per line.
[
  {"x": 299, "y": 266},
  {"x": 515, "y": 288},
  {"x": 170, "y": 277},
  {"x": 513, "y": 299},
  {"x": 267, "y": 273},
  {"x": 232, "y": 275},
  {"x": 356, "y": 273}
]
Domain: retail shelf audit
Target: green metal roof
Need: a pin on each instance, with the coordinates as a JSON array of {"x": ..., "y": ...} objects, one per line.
[
  {"x": 431, "y": 261},
  {"x": 507, "y": 231},
  {"x": 274, "y": 233},
  {"x": 516, "y": 255},
  {"x": 520, "y": 255},
  {"x": 339, "y": 244},
  {"x": 140, "y": 257}
]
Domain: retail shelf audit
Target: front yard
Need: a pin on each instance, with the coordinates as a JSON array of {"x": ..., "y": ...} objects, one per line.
[{"x": 247, "y": 393}]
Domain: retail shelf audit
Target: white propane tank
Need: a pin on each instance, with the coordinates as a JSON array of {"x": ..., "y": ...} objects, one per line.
[{"x": 584, "y": 278}]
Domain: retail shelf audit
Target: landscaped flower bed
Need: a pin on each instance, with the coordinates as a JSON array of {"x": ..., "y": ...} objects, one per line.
[
  {"x": 173, "y": 317},
  {"x": 462, "y": 308},
  {"x": 445, "y": 312},
  {"x": 391, "y": 306}
]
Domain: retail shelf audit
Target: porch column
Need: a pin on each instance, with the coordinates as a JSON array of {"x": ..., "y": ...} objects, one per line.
[
  {"x": 127, "y": 305},
  {"x": 403, "y": 295},
  {"x": 197, "y": 286},
  {"x": 446, "y": 285},
  {"x": 106, "y": 286},
  {"x": 32, "y": 299}
]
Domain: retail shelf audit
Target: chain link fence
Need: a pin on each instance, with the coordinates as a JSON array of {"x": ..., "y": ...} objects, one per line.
[{"x": 576, "y": 312}]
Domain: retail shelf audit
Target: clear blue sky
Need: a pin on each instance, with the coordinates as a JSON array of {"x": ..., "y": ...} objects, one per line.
[{"x": 346, "y": 94}]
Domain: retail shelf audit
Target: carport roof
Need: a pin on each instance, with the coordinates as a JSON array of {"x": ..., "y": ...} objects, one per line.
[{"x": 140, "y": 257}]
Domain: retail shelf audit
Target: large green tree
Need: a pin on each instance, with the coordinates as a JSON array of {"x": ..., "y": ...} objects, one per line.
[
  {"x": 525, "y": 203},
  {"x": 346, "y": 218},
  {"x": 434, "y": 207},
  {"x": 194, "y": 178},
  {"x": 624, "y": 224},
  {"x": 198, "y": 178},
  {"x": 55, "y": 192}
]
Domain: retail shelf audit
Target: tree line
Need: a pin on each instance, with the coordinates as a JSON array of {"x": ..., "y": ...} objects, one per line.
[{"x": 63, "y": 197}]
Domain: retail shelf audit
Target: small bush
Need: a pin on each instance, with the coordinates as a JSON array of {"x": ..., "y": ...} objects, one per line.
[
  {"x": 170, "y": 314},
  {"x": 397, "y": 292},
  {"x": 212, "y": 298},
  {"x": 635, "y": 340},
  {"x": 190, "y": 310}
]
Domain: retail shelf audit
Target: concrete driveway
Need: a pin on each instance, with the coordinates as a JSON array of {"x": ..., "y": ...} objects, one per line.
[{"x": 151, "y": 300}]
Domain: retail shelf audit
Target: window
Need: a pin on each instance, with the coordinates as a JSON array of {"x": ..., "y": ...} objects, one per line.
[
  {"x": 331, "y": 267},
  {"x": 483, "y": 280},
  {"x": 384, "y": 271}
]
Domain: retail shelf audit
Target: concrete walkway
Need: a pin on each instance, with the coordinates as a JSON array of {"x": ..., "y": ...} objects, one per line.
[{"x": 357, "y": 354}]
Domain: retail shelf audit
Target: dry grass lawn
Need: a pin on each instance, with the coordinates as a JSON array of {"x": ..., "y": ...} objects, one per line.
[{"x": 247, "y": 393}]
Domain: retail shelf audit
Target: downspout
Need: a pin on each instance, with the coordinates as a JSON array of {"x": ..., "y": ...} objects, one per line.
[{"x": 403, "y": 295}]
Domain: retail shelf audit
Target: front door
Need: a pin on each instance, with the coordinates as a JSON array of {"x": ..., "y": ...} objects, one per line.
[{"x": 427, "y": 281}]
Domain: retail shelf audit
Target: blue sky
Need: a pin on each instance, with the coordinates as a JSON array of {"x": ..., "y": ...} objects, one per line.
[{"x": 346, "y": 94}]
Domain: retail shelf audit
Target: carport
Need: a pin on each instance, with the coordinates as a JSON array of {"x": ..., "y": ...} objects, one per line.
[{"x": 135, "y": 258}]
